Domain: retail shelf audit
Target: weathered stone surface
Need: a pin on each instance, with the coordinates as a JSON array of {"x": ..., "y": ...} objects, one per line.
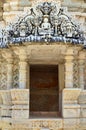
[
  {"x": 20, "y": 111},
  {"x": 71, "y": 123},
  {"x": 71, "y": 95},
  {"x": 14, "y": 104},
  {"x": 20, "y": 96},
  {"x": 71, "y": 108},
  {"x": 71, "y": 111}
]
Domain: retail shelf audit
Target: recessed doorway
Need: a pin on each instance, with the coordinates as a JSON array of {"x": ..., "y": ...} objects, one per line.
[{"x": 44, "y": 91}]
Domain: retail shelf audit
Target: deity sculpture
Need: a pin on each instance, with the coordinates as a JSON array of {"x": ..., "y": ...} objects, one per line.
[
  {"x": 69, "y": 30},
  {"x": 46, "y": 25},
  {"x": 22, "y": 29}
]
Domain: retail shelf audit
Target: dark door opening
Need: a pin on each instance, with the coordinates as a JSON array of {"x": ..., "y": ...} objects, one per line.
[{"x": 44, "y": 91}]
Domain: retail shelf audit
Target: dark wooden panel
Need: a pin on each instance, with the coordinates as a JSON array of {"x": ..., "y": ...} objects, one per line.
[{"x": 44, "y": 88}]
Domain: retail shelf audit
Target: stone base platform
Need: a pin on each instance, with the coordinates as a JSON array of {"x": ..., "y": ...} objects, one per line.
[{"x": 43, "y": 124}]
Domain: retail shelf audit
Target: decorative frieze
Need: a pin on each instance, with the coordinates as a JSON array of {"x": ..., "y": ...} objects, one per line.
[
  {"x": 40, "y": 124},
  {"x": 71, "y": 124}
]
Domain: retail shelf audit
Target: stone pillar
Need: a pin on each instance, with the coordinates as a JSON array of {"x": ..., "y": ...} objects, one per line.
[
  {"x": 22, "y": 74},
  {"x": 22, "y": 66},
  {"x": 28, "y": 76},
  {"x": 0, "y": 72},
  {"x": 9, "y": 73},
  {"x": 69, "y": 68},
  {"x": 7, "y": 68},
  {"x": 82, "y": 69}
]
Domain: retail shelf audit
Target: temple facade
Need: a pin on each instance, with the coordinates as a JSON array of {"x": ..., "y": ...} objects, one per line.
[{"x": 43, "y": 65}]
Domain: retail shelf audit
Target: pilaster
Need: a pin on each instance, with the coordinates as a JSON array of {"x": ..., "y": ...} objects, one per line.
[
  {"x": 21, "y": 53},
  {"x": 22, "y": 73},
  {"x": 7, "y": 54},
  {"x": 69, "y": 57},
  {"x": 9, "y": 73},
  {"x": 82, "y": 69},
  {"x": 3, "y": 85}
]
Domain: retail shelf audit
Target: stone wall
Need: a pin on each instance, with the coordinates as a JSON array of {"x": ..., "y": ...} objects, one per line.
[
  {"x": 15, "y": 75},
  {"x": 14, "y": 111},
  {"x": 14, "y": 100}
]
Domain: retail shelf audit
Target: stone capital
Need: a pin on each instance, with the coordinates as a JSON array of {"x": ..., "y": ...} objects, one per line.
[
  {"x": 82, "y": 55},
  {"x": 70, "y": 51},
  {"x": 7, "y": 54}
]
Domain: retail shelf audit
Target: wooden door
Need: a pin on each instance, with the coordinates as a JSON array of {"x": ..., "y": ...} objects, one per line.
[{"x": 44, "y": 90}]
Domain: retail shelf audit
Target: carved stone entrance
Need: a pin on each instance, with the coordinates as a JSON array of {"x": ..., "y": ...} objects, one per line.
[{"x": 44, "y": 90}]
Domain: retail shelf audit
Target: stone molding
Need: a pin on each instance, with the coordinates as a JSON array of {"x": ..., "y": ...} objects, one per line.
[{"x": 71, "y": 107}]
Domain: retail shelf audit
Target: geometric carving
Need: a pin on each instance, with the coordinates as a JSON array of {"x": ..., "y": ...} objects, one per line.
[
  {"x": 75, "y": 74},
  {"x": 3, "y": 84},
  {"x": 71, "y": 124},
  {"x": 15, "y": 74},
  {"x": 39, "y": 124}
]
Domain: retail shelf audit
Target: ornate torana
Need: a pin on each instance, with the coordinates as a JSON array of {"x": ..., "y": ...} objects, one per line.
[{"x": 46, "y": 24}]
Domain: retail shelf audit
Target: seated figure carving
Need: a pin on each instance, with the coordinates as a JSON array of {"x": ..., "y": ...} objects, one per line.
[
  {"x": 22, "y": 29},
  {"x": 45, "y": 27}
]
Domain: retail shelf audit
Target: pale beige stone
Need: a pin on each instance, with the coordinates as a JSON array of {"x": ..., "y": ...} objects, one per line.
[
  {"x": 20, "y": 111},
  {"x": 71, "y": 95},
  {"x": 20, "y": 96},
  {"x": 15, "y": 103},
  {"x": 71, "y": 111}
]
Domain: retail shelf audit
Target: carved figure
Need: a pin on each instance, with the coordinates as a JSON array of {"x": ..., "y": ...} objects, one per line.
[
  {"x": 46, "y": 22},
  {"x": 46, "y": 25}
]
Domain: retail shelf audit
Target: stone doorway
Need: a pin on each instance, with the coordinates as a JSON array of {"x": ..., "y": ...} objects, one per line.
[{"x": 44, "y": 91}]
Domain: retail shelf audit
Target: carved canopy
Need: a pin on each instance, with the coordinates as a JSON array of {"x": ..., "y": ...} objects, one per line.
[{"x": 46, "y": 24}]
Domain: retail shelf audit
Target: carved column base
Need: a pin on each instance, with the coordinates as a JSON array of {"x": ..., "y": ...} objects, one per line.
[
  {"x": 6, "y": 111},
  {"x": 6, "y": 107},
  {"x": 71, "y": 111},
  {"x": 82, "y": 102},
  {"x": 20, "y": 101},
  {"x": 71, "y": 108},
  {"x": 20, "y": 111}
]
